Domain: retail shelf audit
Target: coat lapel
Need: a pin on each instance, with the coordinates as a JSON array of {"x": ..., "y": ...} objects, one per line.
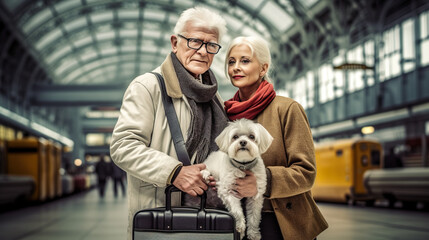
[{"x": 170, "y": 78}]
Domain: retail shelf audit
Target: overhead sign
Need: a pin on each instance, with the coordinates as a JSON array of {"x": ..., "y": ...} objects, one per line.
[{"x": 353, "y": 66}]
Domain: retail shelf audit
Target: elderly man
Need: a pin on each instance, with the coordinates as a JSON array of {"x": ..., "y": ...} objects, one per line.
[{"x": 141, "y": 142}]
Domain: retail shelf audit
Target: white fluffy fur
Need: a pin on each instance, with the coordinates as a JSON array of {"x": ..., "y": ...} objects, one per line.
[{"x": 242, "y": 140}]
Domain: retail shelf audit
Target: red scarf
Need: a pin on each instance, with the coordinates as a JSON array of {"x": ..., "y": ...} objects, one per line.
[{"x": 235, "y": 109}]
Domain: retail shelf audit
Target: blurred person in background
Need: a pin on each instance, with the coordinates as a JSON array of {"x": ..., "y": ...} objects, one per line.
[
  {"x": 103, "y": 170},
  {"x": 118, "y": 176}
]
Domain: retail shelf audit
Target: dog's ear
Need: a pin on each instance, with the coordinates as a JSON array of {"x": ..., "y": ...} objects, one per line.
[
  {"x": 265, "y": 139},
  {"x": 223, "y": 140}
]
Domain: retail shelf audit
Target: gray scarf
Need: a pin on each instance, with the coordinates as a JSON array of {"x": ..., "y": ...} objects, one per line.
[{"x": 208, "y": 115}]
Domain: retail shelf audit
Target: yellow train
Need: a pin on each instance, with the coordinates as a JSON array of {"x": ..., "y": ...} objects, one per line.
[
  {"x": 341, "y": 165},
  {"x": 39, "y": 159},
  {"x": 27, "y": 157},
  {"x": 30, "y": 171}
]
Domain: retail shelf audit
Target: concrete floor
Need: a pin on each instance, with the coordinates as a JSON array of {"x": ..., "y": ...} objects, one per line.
[
  {"x": 374, "y": 223},
  {"x": 85, "y": 216}
]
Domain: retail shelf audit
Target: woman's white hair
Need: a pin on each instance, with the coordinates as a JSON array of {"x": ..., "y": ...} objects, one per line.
[
  {"x": 259, "y": 49},
  {"x": 201, "y": 17}
]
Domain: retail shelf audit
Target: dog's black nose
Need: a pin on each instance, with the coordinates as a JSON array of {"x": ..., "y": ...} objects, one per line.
[{"x": 243, "y": 143}]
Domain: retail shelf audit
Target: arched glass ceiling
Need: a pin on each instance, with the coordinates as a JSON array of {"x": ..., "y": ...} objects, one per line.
[{"x": 109, "y": 41}]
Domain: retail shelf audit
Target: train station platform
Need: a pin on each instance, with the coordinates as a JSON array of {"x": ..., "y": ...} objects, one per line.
[{"x": 84, "y": 216}]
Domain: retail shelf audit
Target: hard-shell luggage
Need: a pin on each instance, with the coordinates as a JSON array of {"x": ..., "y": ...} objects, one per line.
[{"x": 183, "y": 222}]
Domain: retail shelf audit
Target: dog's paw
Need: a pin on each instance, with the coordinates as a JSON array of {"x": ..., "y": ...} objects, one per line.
[
  {"x": 253, "y": 235},
  {"x": 205, "y": 174},
  {"x": 239, "y": 174},
  {"x": 241, "y": 228}
]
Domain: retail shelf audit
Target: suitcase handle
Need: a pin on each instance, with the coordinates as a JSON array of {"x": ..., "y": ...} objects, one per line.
[
  {"x": 172, "y": 188},
  {"x": 168, "y": 215}
]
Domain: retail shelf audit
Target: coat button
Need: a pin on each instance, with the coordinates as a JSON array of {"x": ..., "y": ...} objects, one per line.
[{"x": 289, "y": 205}]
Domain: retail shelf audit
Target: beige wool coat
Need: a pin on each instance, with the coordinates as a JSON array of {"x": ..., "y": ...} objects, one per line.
[
  {"x": 141, "y": 140},
  {"x": 291, "y": 160}
]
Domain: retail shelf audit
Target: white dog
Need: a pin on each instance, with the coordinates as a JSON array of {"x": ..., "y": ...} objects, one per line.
[{"x": 241, "y": 144}]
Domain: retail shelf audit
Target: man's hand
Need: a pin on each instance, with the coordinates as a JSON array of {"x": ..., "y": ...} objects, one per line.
[
  {"x": 190, "y": 181},
  {"x": 212, "y": 183}
]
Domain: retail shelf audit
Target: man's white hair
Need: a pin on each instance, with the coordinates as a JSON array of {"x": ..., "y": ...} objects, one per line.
[{"x": 201, "y": 17}]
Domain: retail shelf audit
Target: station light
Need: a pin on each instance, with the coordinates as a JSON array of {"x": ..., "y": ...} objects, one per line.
[
  {"x": 367, "y": 130},
  {"x": 78, "y": 162}
]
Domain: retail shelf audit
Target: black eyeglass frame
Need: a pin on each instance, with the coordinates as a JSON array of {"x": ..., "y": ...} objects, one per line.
[{"x": 202, "y": 43}]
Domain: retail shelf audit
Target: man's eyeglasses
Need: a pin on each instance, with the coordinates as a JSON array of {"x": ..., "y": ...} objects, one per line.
[{"x": 196, "y": 44}]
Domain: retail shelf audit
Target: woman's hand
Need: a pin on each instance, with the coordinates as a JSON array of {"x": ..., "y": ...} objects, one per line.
[{"x": 245, "y": 187}]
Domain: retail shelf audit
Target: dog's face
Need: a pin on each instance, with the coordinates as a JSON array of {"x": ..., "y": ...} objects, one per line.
[{"x": 244, "y": 140}]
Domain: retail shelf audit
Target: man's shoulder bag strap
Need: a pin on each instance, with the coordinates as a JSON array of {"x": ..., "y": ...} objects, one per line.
[{"x": 173, "y": 123}]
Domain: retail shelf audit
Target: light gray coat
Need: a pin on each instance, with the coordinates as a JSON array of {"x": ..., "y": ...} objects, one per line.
[{"x": 141, "y": 141}]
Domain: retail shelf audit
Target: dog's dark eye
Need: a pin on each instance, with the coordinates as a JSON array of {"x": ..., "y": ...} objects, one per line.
[
  {"x": 252, "y": 137},
  {"x": 235, "y": 137}
]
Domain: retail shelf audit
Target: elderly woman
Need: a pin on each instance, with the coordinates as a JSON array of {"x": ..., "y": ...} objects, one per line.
[
  {"x": 141, "y": 142},
  {"x": 289, "y": 210}
]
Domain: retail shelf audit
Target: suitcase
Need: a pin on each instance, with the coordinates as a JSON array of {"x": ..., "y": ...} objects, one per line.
[{"x": 183, "y": 222}]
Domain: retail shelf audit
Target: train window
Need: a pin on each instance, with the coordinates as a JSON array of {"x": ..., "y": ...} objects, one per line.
[
  {"x": 363, "y": 146},
  {"x": 364, "y": 160},
  {"x": 375, "y": 157},
  {"x": 339, "y": 153}
]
